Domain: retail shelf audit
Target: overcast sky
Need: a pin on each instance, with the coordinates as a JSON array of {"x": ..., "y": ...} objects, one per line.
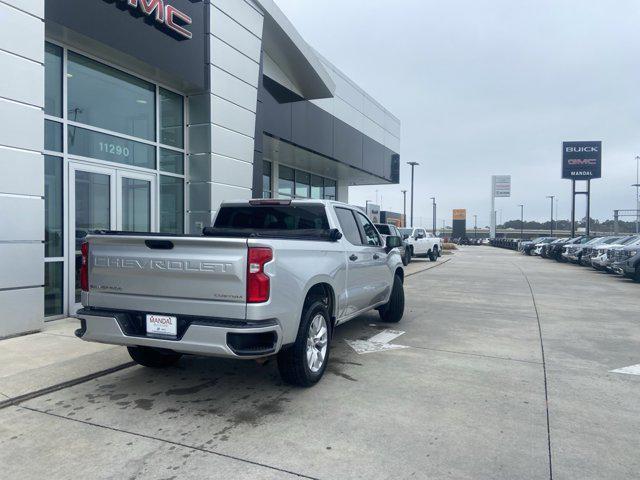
[{"x": 488, "y": 87}]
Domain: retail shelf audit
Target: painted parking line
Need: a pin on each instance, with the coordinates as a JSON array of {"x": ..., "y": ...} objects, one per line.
[
  {"x": 632, "y": 370},
  {"x": 377, "y": 343}
]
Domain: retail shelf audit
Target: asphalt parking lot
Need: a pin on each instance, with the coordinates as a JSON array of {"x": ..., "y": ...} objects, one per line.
[{"x": 472, "y": 397}]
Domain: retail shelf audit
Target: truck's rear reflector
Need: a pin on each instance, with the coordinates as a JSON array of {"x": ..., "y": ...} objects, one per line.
[
  {"x": 84, "y": 268},
  {"x": 258, "y": 282}
]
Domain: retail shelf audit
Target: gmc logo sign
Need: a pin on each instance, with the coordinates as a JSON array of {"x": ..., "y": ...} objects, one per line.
[
  {"x": 579, "y": 161},
  {"x": 165, "y": 14}
]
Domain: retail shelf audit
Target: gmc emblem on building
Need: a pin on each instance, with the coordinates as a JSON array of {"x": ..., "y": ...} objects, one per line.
[{"x": 164, "y": 14}]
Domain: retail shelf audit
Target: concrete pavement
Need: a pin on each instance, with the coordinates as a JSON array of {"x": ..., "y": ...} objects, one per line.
[{"x": 467, "y": 400}]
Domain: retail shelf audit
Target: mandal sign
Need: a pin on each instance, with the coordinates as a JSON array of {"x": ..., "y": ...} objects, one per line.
[{"x": 581, "y": 160}]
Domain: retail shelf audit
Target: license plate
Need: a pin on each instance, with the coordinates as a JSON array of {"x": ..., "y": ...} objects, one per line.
[{"x": 162, "y": 325}]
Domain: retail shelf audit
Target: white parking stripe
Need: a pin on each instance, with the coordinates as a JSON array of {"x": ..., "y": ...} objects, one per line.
[
  {"x": 377, "y": 343},
  {"x": 632, "y": 370}
]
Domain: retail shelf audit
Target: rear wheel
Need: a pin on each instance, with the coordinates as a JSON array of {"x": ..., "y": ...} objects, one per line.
[
  {"x": 153, "y": 358},
  {"x": 304, "y": 362},
  {"x": 393, "y": 311}
]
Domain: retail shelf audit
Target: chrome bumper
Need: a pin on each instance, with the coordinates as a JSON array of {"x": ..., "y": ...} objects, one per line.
[{"x": 198, "y": 339}]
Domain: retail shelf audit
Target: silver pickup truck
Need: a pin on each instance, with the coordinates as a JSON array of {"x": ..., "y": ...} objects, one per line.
[{"x": 271, "y": 277}]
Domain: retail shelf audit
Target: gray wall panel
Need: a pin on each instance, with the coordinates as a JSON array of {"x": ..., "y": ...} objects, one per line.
[
  {"x": 21, "y": 265},
  {"x": 22, "y": 218},
  {"x": 22, "y": 311},
  {"x": 26, "y": 172}
]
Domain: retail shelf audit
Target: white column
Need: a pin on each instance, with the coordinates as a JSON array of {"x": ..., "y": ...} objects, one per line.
[{"x": 21, "y": 166}]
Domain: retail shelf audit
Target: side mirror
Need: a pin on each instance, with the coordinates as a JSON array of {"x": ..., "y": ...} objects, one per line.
[
  {"x": 405, "y": 236},
  {"x": 393, "y": 242},
  {"x": 419, "y": 236}
]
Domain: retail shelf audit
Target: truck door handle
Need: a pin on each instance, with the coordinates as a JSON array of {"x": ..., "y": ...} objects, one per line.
[
  {"x": 376, "y": 256},
  {"x": 353, "y": 258}
]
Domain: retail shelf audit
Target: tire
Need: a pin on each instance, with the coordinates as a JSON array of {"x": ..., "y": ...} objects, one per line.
[
  {"x": 293, "y": 362},
  {"x": 433, "y": 255},
  {"x": 406, "y": 258},
  {"x": 636, "y": 275},
  {"x": 153, "y": 358},
  {"x": 393, "y": 311}
]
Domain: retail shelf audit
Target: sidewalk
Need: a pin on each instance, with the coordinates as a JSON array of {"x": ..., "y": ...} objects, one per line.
[{"x": 41, "y": 360}]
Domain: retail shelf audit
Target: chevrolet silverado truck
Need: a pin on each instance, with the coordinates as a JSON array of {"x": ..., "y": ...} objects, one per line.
[
  {"x": 422, "y": 243},
  {"x": 269, "y": 278}
]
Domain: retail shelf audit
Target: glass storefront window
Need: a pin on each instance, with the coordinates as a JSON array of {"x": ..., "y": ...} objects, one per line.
[
  {"x": 171, "y": 118},
  {"x": 52, "y": 136},
  {"x": 53, "y": 220},
  {"x": 302, "y": 184},
  {"x": 53, "y": 288},
  {"x": 88, "y": 143},
  {"x": 171, "y": 205},
  {"x": 285, "y": 181},
  {"x": 104, "y": 97},
  {"x": 266, "y": 179},
  {"x": 136, "y": 205},
  {"x": 171, "y": 161},
  {"x": 52, "y": 80},
  {"x": 317, "y": 187},
  {"x": 329, "y": 189}
]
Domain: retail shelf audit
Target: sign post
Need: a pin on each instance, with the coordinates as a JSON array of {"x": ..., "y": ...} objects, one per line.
[
  {"x": 500, "y": 188},
  {"x": 581, "y": 161}
]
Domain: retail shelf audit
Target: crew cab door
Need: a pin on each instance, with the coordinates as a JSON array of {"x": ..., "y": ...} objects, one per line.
[
  {"x": 361, "y": 266},
  {"x": 421, "y": 244}
]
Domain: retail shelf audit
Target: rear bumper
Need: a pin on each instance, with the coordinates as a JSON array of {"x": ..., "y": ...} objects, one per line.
[{"x": 215, "y": 338}]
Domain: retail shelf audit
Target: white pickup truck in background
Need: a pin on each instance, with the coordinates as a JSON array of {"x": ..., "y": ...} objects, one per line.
[
  {"x": 271, "y": 277},
  {"x": 422, "y": 243}
]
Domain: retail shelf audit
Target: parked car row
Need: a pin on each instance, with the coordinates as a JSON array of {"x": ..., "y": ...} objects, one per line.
[
  {"x": 508, "y": 243},
  {"x": 615, "y": 254}
]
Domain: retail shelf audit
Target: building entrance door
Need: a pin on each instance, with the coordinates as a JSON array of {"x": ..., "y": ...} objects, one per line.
[{"x": 105, "y": 199}]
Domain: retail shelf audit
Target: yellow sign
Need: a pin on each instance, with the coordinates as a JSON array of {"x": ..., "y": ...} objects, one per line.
[{"x": 460, "y": 214}]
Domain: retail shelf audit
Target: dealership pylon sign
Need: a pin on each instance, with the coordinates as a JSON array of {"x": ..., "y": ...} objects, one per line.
[
  {"x": 500, "y": 188},
  {"x": 581, "y": 161}
]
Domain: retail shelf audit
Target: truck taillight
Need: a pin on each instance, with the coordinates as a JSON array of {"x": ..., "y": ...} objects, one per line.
[
  {"x": 84, "y": 268},
  {"x": 258, "y": 282}
]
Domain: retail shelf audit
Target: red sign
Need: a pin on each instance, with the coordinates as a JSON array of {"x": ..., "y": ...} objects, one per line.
[{"x": 165, "y": 14}]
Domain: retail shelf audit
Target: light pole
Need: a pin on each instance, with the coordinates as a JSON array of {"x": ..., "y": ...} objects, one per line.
[
  {"x": 521, "y": 221},
  {"x": 475, "y": 226},
  {"x": 413, "y": 166},
  {"x": 637, "y": 185},
  {"x": 552, "y": 197},
  {"x": 433, "y": 199},
  {"x": 404, "y": 208}
]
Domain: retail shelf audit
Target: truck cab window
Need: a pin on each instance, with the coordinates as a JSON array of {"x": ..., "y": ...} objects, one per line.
[
  {"x": 371, "y": 236},
  {"x": 349, "y": 226}
]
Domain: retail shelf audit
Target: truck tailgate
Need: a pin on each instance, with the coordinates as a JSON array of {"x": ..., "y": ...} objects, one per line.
[{"x": 184, "y": 275}]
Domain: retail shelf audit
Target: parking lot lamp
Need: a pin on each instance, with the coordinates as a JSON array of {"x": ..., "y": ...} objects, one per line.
[
  {"x": 475, "y": 226},
  {"x": 637, "y": 185},
  {"x": 433, "y": 199},
  {"x": 552, "y": 197},
  {"x": 404, "y": 208},
  {"x": 521, "y": 221},
  {"x": 413, "y": 166}
]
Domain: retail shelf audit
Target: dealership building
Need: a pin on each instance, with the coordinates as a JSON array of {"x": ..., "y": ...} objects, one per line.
[{"x": 145, "y": 115}]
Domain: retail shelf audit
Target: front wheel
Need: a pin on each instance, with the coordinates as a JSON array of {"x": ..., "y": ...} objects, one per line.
[
  {"x": 636, "y": 275},
  {"x": 406, "y": 258},
  {"x": 433, "y": 255},
  {"x": 304, "y": 362},
  {"x": 393, "y": 310},
  {"x": 153, "y": 358}
]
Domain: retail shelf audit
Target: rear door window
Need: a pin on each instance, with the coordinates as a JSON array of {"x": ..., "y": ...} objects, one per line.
[{"x": 349, "y": 226}]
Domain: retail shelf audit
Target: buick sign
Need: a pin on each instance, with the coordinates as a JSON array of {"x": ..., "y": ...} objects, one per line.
[{"x": 581, "y": 160}]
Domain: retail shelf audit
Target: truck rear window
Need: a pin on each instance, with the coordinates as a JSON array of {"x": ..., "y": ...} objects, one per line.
[{"x": 273, "y": 217}]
